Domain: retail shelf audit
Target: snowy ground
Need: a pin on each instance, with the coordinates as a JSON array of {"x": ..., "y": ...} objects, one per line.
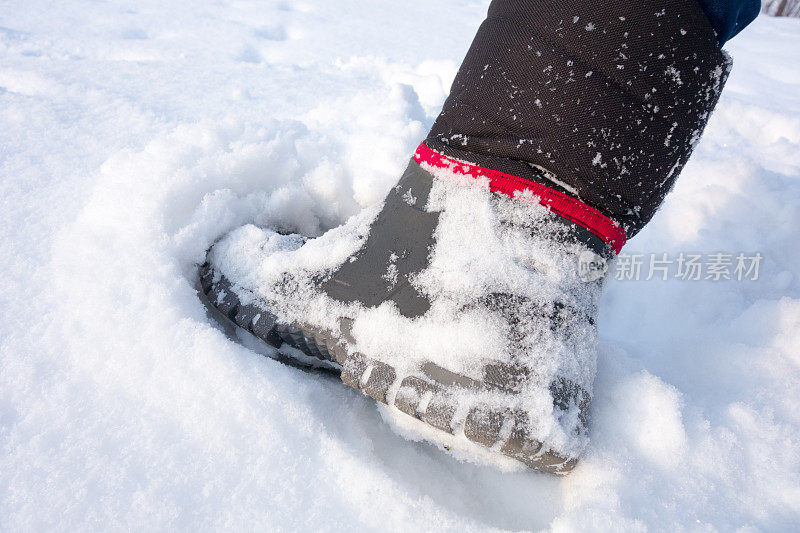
[{"x": 134, "y": 133}]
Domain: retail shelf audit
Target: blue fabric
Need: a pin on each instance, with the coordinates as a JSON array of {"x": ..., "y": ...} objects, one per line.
[{"x": 729, "y": 17}]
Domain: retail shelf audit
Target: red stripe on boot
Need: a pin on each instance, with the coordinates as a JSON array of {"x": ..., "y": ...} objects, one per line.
[{"x": 566, "y": 206}]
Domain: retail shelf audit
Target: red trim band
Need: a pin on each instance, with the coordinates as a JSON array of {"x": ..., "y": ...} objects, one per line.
[{"x": 566, "y": 206}]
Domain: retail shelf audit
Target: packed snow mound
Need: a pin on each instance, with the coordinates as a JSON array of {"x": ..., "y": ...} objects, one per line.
[{"x": 130, "y": 144}]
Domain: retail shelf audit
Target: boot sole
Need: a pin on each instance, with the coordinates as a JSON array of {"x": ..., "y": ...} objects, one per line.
[{"x": 424, "y": 397}]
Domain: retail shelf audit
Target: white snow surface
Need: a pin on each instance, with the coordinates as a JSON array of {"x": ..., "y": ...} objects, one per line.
[{"x": 133, "y": 134}]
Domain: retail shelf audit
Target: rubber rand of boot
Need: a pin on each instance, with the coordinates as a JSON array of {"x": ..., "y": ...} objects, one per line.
[
  {"x": 352, "y": 370},
  {"x": 263, "y": 327},
  {"x": 483, "y": 425},
  {"x": 426, "y": 401},
  {"x": 528, "y": 451},
  {"x": 440, "y": 413},
  {"x": 206, "y": 274},
  {"x": 225, "y": 300},
  {"x": 313, "y": 342},
  {"x": 508, "y": 378},
  {"x": 245, "y": 314},
  {"x": 250, "y": 317},
  {"x": 377, "y": 379},
  {"x": 414, "y": 395},
  {"x": 489, "y": 427}
]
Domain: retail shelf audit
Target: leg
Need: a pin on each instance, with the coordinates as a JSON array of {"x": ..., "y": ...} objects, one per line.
[{"x": 603, "y": 101}]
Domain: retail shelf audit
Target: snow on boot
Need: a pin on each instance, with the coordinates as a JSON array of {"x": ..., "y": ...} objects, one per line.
[
  {"x": 468, "y": 299},
  {"x": 470, "y": 310}
]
